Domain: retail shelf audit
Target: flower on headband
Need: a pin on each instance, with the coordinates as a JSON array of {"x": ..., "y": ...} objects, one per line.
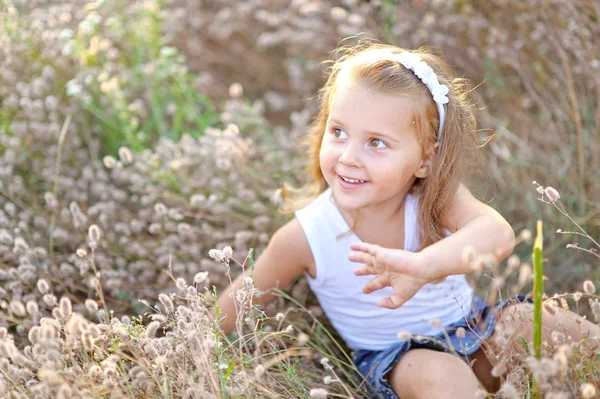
[
  {"x": 439, "y": 93},
  {"x": 425, "y": 73}
]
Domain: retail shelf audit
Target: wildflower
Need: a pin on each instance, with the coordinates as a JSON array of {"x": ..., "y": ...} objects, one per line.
[
  {"x": 91, "y": 305},
  {"x": 587, "y": 390},
  {"x": 259, "y": 371},
  {"x": 181, "y": 284},
  {"x": 552, "y": 194},
  {"x": 289, "y": 329},
  {"x": 558, "y": 337},
  {"x": 499, "y": 369},
  {"x": 125, "y": 155},
  {"x": 404, "y": 335},
  {"x": 94, "y": 234},
  {"x": 589, "y": 287},
  {"x": 513, "y": 262},
  {"x": 65, "y": 307},
  {"x": 166, "y": 302},
  {"x": 155, "y": 229},
  {"x": 318, "y": 393},
  {"x": 324, "y": 361},
  {"x": 49, "y": 300},
  {"x": 577, "y": 296},
  {"x": 461, "y": 333},
  {"x": 152, "y": 329},
  {"x": 595, "y": 306},
  {"x": 221, "y": 255},
  {"x": 42, "y": 286},
  {"x": 5, "y": 237},
  {"x": 236, "y": 90},
  {"x": 20, "y": 246},
  {"x": 435, "y": 323},
  {"x": 81, "y": 253},
  {"x": 509, "y": 391},
  {"x": 525, "y": 235},
  {"x": 197, "y": 200},
  {"x": 160, "y": 209},
  {"x": 200, "y": 277},
  {"x": 87, "y": 341},
  {"x": 109, "y": 161},
  {"x": 279, "y": 317},
  {"x": 303, "y": 339},
  {"x": 17, "y": 308},
  {"x": 32, "y": 307}
]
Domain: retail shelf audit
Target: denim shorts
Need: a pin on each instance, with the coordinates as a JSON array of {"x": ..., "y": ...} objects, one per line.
[{"x": 479, "y": 326}]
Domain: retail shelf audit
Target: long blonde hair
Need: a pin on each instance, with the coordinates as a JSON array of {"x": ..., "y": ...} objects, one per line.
[{"x": 370, "y": 64}]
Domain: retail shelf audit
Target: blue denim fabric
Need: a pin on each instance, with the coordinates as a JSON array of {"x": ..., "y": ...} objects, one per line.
[{"x": 479, "y": 326}]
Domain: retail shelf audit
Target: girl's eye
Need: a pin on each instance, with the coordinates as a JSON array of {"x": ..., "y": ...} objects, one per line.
[
  {"x": 339, "y": 133},
  {"x": 377, "y": 143}
]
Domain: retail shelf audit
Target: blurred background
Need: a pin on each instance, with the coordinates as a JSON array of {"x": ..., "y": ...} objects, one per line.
[{"x": 172, "y": 124}]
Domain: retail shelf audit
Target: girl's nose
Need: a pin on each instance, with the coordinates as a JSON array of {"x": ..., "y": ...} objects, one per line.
[{"x": 350, "y": 156}]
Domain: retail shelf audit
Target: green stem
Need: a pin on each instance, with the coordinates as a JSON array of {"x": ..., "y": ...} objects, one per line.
[{"x": 538, "y": 296}]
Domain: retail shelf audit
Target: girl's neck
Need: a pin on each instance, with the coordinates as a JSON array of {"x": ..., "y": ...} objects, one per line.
[{"x": 377, "y": 225}]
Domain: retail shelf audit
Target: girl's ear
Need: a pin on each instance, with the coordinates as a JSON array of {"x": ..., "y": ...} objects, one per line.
[{"x": 426, "y": 162}]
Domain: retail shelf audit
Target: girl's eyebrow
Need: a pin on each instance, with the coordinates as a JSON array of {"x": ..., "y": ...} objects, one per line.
[{"x": 382, "y": 135}]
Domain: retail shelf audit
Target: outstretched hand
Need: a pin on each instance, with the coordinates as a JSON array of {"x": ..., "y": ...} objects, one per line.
[{"x": 404, "y": 271}]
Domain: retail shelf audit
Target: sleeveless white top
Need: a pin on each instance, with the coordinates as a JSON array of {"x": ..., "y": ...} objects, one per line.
[{"x": 356, "y": 316}]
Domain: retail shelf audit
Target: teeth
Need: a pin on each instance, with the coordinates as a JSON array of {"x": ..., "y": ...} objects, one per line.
[{"x": 352, "y": 180}]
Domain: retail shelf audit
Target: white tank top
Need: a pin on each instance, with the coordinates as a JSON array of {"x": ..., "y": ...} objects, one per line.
[{"x": 356, "y": 316}]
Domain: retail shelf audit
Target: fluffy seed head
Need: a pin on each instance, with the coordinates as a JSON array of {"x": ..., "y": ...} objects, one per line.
[
  {"x": 200, "y": 277},
  {"x": 461, "y": 333},
  {"x": 65, "y": 306},
  {"x": 91, "y": 305},
  {"x": 404, "y": 335},
  {"x": 125, "y": 155},
  {"x": 259, "y": 371},
  {"x": 94, "y": 234},
  {"x": 236, "y": 90},
  {"x": 167, "y": 303},
  {"x": 318, "y": 393},
  {"x": 552, "y": 194},
  {"x": 17, "y": 308},
  {"x": 589, "y": 287},
  {"x": 42, "y": 286},
  {"x": 587, "y": 390},
  {"x": 152, "y": 329},
  {"x": 109, "y": 161}
]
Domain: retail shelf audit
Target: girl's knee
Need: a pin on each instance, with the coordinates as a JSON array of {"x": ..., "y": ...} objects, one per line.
[{"x": 428, "y": 373}]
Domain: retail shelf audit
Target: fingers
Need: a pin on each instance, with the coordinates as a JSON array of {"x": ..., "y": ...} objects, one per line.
[
  {"x": 371, "y": 249},
  {"x": 375, "y": 284},
  {"x": 360, "y": 257},
  {"x": 392, "y": 302},
  {"x": 364, "y": 270}
]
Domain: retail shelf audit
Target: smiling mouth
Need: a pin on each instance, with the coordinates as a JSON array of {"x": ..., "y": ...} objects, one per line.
[{"x": 352, "y": 181}]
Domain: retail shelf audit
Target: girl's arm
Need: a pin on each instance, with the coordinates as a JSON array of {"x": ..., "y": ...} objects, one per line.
[
  {"x": 286, "y": 257},
  {"x": 477, "y": 229}
]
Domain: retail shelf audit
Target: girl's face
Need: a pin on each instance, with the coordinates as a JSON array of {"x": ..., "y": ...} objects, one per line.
[{"x": 370, "y": 155}]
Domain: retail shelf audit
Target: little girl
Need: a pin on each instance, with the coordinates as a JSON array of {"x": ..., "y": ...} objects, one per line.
[{"x": 386, "y": 153}]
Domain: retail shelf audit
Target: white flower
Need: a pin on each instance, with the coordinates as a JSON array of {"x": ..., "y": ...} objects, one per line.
[
  {"x": 425, "y": 73},
  {"x": 200, "y": 277},
  {"x": 73, "y": 88}
]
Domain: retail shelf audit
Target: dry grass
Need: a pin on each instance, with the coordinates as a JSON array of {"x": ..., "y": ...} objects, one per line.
[{"x": 103, "y": 123}]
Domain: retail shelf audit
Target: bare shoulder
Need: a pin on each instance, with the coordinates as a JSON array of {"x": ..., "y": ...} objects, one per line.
[
  {"x": 464, "y": 208},
  {"x": 290, "y": 247}
]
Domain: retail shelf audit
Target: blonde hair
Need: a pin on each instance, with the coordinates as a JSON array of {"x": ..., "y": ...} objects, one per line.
[{"x": 370, "y": 64}]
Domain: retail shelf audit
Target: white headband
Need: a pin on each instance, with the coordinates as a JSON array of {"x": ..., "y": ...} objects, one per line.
[{"x": 425, "y": 73}]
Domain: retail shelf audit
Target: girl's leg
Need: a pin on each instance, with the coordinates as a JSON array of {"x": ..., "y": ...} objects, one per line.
[
  {"x": 517, "y": 322},
  {"x": 425, "y": 373}
]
